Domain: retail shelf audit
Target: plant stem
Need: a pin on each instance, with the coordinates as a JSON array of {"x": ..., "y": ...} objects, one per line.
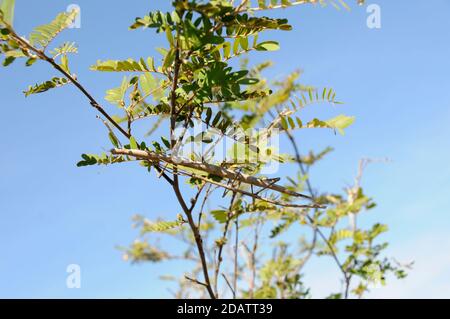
[
  {"x": 176, "y": 186},
  {"x": 224, "y": 237},
  {"x": 41, "y": 54},
  {"x": 347, "y": 277}
]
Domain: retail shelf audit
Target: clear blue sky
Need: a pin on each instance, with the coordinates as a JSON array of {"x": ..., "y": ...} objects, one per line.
[{"x": 394, "y": 80}]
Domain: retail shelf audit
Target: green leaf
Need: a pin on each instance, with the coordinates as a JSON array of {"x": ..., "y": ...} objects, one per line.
[
  {"x": 216, "y": 119},
  {"x": 226, "y": 50},
  {"x": 133, "y": 143},
  {"x": 310, "y": 93},
  {"x": 4, "y": 31},
  {"x": 44, "y": 34},
  {"x": 338, "y": 123},
  {"x": 7, "y": 11},
  {"x": 148, "y": 83},
  {"x": 236, "y": 46},
  {"x": 114, "y": 140},
  {"x": 377, "y": 229},
  {"x": 117, "y": 95},
  {"x": 43, "y": 87},
  {"x": 30, "y": 61},
  {"x": 341, "y": 235},
  {"x": 67, "y": 47},
  {"x": 15, "y": 53},
  {"x": 220, "y": 215},
  {"x": 175, "y": 17},
  {"x": 156, "y": 20},
  {"x": 165, "y": 141},
  {"x": 169, "y": 58},
  {"x": 248, "y": 81},
  {"x": 244, "y": 43},
  {"x": 65, "y": 63},
  {"x": 87, "y": 160},
  {"x": 103, "y": 159},
  {"x": 268, "y": 46},
  {"x": 128, "y": 65},
  {"x": 341, "y": 122},
  {"x": 160, "y": 226},
  {"x": 8, "y": 60},
  {"x": 291, "y": 122},
  {"x": 169, "y": 36},
  {"x": 284, "y": 123},
  {"x": 208, "y": 115}
]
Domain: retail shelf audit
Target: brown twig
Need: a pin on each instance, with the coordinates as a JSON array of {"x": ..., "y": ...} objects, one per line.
[
  {"x": 252, "y": 257},
  {"x": 200, "y": 214},
  {"x": 41, "y": 54},
  {"x": 229, "y": 286},
  {"x": 250, "y": 194},
  {"x": 236, "y": 247},
  {"x": 224, "y": 237},
  {"x": 209, "y": 168},
  {"x": 196, "y": 281},
  {"x": 176, "y": 186}
]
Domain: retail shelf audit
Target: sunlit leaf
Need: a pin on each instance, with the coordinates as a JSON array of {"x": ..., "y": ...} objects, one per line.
[
  {"x": 268, "y": 46},
  {"x": 43, "y": 87},
  {"x": 44, "y": 34}
]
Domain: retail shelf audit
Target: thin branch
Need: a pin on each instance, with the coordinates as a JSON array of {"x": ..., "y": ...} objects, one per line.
[
  {"x": 224, "y": 237},
  {"x": 252, "y": 257},
  {"x": 236, "y": 246},
  {"x": 163, "y": 174},
  {"x": 72, "y": 79},
  {"x": 196, "y": 281},
  {"x": 209, "y": 168},
  {"x": 229, "y": 286},
  {"x": 200, "y": 214},
  {"x": 253, "y": 195},
  {"x": 176, "y": 186}
]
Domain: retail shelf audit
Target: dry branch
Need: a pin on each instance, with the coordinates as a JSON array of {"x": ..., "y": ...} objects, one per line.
[{"x": 210, "y": 169}]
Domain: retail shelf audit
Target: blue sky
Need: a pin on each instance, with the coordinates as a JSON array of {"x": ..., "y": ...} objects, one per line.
[{"x": 394, "y": 80}]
